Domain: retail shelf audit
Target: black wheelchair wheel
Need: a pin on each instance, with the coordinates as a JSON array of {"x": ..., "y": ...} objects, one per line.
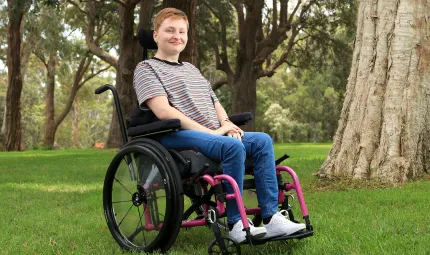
[{"x": 142, "y": 199}]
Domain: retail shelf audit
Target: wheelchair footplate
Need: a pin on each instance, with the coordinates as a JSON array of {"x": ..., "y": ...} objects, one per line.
[{"x": 298, "y": 235}]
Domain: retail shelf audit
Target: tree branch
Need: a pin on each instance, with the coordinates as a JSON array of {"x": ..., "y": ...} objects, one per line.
[
  {"x": 42, "y": 58},
  {"x": 89, "y": 38},
  {"x": 217, "y": 84},
  {"x": 274, "y": 16},
  {"x": 133, "y": 2},
  {"x": 271, "y": 43},
  {"x": 77, "y": 6},
  {"x": 124, "y": 4},
  {"x": 270, "y": 70},
  {"x": 221, "y": 58},
  {"x": 290, "y": 19},
  {"x": 93, "y": 75},
  {"x": 82, "y": 68},
  {"x": 241, "y": 20}
]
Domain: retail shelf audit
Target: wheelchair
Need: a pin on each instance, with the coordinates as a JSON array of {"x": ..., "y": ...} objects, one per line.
[{"x": 146, "y": 184}]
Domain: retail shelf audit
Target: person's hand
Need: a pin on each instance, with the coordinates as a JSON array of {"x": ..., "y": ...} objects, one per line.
[
  {"x": 234, "y": 134},
  {"x": 226, "y": 128}
]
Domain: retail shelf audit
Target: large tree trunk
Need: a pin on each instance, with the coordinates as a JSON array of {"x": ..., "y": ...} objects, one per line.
[
  {"x": 244, "y": 87},
  {"x": 244, "y": 93},
  {"x": 11, "y": 128},
  {"x": 50, "y": 128},
  {"x": 190, "y": 53},
  {"x": 2, "y": 115},
  {"x": 128, "y": 59},
  {"x": 383, "y": 131},
  {"x": 75, "y": 129}
]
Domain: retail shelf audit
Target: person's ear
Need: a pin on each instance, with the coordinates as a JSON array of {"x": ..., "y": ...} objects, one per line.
[{"x": 155, "y": 35}]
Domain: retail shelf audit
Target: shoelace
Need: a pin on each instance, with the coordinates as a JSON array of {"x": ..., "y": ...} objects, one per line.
[{"x": 283, "y": 213}]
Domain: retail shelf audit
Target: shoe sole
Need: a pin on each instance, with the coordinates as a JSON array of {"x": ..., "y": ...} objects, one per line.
[
  {"x": 255, "y": 236},
  {"x": 277, "y": 234},
  {"x": 259, "y": 236}
]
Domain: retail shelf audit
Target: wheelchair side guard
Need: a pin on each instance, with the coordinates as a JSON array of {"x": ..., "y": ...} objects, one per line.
[
  {"x": 298, "y": 188},
  {"x": 216, "y": 181}
]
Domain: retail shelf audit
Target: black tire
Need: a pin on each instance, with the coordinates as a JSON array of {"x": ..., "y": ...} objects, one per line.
[{"x": 141, "y": 188}]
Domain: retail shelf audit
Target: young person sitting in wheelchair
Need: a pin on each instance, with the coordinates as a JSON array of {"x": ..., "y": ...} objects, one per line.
[{"x": 176, "y": 90}]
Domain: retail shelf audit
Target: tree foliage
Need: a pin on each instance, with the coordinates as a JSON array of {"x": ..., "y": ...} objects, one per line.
[{"x": 298, "y": 88}]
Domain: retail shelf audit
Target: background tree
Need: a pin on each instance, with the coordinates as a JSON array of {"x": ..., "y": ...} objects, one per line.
[
  {"x": 190, "y": 53},
  {"x": 256, "y": 42},
  {"x": 3, "y": 73},
  {"x": 129, "y": 49},
  {"x": 383, "y": 131},
  {"x": 64, "y": 57},
  {"x": 11, "y": 128}
]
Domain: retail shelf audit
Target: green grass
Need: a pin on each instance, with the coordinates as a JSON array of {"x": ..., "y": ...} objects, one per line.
[{"x": 51, "y": 203}]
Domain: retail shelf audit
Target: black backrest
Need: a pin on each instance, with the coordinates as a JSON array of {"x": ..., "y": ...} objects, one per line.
[
  {"x": 146, "y": 40},
  {"x": 137, "y": 116}
]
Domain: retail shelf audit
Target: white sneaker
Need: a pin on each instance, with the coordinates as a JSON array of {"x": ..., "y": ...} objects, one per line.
[
  {"x": 279, "y": 225},
  {"x": 239, "y": 235}
]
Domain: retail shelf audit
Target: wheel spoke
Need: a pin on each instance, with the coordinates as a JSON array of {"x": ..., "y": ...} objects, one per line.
[
  {"x": 138, "y": 229},
  {"x": 125, "y": 215},
  {"x": 121, "y": 201},
  {"x": 140, "y": 221},
  {"x": 123, "y": 186},
  {"x": 139, "y": 177}
]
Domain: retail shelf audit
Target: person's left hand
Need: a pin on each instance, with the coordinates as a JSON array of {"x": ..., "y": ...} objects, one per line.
[{"x": 236, "y": 134}]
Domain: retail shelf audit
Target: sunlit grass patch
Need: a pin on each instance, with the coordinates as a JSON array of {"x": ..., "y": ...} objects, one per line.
[
  {"x": 51, "y": 203},
  {"x": 65, "y": 188}
]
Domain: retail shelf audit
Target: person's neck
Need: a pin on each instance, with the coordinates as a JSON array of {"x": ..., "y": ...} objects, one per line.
[{"x": 174, "y": 58}]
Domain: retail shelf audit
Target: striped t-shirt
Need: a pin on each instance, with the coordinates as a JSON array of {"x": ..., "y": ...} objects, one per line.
[{"x": 183, "y": 85}]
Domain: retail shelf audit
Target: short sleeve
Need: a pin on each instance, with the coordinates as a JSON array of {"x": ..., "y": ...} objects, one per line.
[
  {"x": 212, "y": 93},
  {"x": 146, "y": 84}
]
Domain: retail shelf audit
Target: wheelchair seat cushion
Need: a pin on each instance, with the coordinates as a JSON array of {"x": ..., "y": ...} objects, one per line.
[
  {"x": 191, "y": 161},
  {"x": 154, "y": 127}
]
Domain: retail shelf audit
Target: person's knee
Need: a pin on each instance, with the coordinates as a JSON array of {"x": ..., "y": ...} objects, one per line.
[
  {"x": 235, "y": 150},
  {"x": 265, "y": 140}
]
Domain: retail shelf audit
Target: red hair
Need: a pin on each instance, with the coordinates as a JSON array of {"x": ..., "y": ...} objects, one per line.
[{"x": 169, "y": 13}]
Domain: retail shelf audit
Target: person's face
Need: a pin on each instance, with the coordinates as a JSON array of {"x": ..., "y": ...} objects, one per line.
[{"x": 171, "y": 37}]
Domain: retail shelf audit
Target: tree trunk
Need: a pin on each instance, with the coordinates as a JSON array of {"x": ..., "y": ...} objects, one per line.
[
  {"x": 244, "y": 89},
  {"x": 50, "y": 128},
  {"x": 75, "y": 125},
  {"x": 383, "y": 130},
  {"x": 11, "y": 128},
  {"x": 2, "y": 115},
  {"x": 126, "y": 64},
  {"x": 244, "y": 93},
  {"x": 190, "y": 53}
]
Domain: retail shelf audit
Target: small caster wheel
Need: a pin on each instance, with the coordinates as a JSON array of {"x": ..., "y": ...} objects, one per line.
[{"x": 227, "y": 247}]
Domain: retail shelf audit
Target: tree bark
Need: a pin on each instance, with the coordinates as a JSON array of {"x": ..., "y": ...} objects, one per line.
[
  {"x": 244, "y": 87},
  {"x": 383, "y": 130},
  {"x": 126, "y": 64},
  {"x": 255, "y": 48},
  {"x": 11, "y": 128},
  {"x": 50, "y": 129},
  {"x": 75, "y": 125},
  {"x": 244, "y": 93},
  {"x": 190, "y": 53}
]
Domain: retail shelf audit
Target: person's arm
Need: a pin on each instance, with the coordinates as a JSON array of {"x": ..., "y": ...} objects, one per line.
[
  {"x": 161, "y": 108},
  {"x": 221, "y": 113},
  {"x": 223, "y": 120}
]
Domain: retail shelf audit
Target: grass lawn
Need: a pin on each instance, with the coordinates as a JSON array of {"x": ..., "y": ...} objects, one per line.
[{"x": 51, "y": 203}]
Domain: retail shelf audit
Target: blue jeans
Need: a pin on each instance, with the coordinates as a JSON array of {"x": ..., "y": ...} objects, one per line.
[{"x": 232, "y": 153}]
